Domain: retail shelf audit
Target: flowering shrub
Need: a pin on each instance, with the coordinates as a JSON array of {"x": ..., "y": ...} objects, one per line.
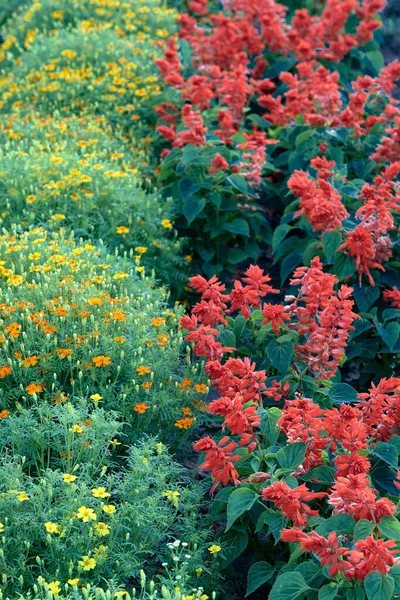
[
  {"x": 240, "y": 123},
  {"x": 308, "y": 460},
  {"x": 84, "y": 525},
  {"x": 78, "y": 94},
  {"x": 77, "y": 322}
]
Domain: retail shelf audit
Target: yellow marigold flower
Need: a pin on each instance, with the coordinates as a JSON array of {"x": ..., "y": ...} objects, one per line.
[
  {"x": 22, "y": 497},
  {"x": 86, "y": 514},
  {"x": 141, "y": 249},
  {"x": 188, "y": 258},
  {"x": 142, "y": 370},
  {"x": 75, "y": 429},
  {"x": 108, "y": 508},
  {"x": 56, "y": 159},
  {"x": 87, "y": 563},
  {"x": 52, "y": 527},
  {"x": 1, "y": 527},
  {"x": 54, "y": 587},
  {"x": 68, "y": 54},
  {"x": 100, "y": 492},
  {"x": 158, "y": 321},
  {"x": 57, "y": 14},
  {"x": 69, "y": 478},
  {"x": 141, "y": 407},
  {"x": 96, "y": 397},
  {"x": 101, "y": 361},
  {"x": 115, "y": 442},
  {"x": 120, "y": 594},
  {"x": 102, "y": 529},
  {"x": 173, "y": 496},
  {"x": 122, "y": 229},
  {"x": 74, "y": 581},
  {"x": 214, "y": 549},
  {"x": 184, "y": 423},
  {"x": 166, "y": 223},
  {"x": 58, "y": 217},
  {"x": 120, "y": 275}
]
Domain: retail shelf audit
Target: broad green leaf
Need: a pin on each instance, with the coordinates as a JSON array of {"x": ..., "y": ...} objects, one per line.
[
  {"x": 343, "y": 525},
  {"x": 395, "y": 574},
  {"x": 341, "y": 393},
  {"x": 279, "y": 234},
  {"x": 235, "y": 543},
  {"x": 258, "y": 574},
  {"x": 378, "y": 586},
  {"x": 331, "y": 241},
  {"x": 328, "y": 592},
  {"x": 280, "y": 355},
  {"x": 239, "y": 182},
  {"x": 238, "y": 226},
  {"x": 192, "y": 207},
  {"x": 187, "y": 187},
  {"x": 390, "y": 528},
  {"x": 276, "y": 522},
  {"x": 386, "y": 452},
  {"x": 365, "y": 296},
  {"x": 389, "y": 333},
  {"x": 355, "y": 594},
  {"x": 344, "y": 266},
  {"x": 240, "y": 501},
  {"x": 292, "y": 455},
  {"x": 289, "y": 264},
  {"x": 268, "y": 424},
  {"x": 363, "y": 529},
  {"x": 288, "y": 586}
]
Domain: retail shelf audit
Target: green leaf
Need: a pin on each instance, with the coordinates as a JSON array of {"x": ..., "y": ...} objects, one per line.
[
  {"x": 395, "y": 573},
  {"x": 344, "y": 266},
  {"x": 192, "y": 207},
  {"x": 390, "y": 528},
  {"x": 331, "y": 241},
  {"x": 389, "y": 333},
  {"x": 276, "y": 523},
  {"x": 235, "y": 542},
  {"x": 279, "y": 234},
  {"x": 342, "y": 393},
  {"x": 376, "y": 59},
  {"x": 258, "y": 574},
  {"x": 365, "y": 296},
  {"x": 268, "y": 424},
  {"x": 343, "y": 525},
  {"x": 288, "y": 586},
  {"x": 228, "y": 338},
  {"x": 280, "y": 355},
  {"x": 386, "y": 452},
  {"x": 378, "y": 586},
  {"x": 187, "y": 188},
  {"x": 289, "y": 264},
  {"x": 240, "y": 501},
  {"x": 238, "y": 226},
  {"x": 239, "y": 182},
  {"x": 363, "y": 529},
  {"x": 292, "y": 455},
  {"x": 355, "y": 594},
  {"x": 328, "y": 592}
]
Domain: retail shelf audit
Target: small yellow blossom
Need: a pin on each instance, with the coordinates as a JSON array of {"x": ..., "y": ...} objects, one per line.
[
  {"x": 87, "y": 563},
  {"x": 108, "y": 508},
  {"x": 166, "y": 223},
  {"x": 102, "y": 528},
  {"x": 96, "y": 397},
  {"x": 22, "y": 497},
  {"x": 69, "y": 478},
  {"x": 74, "y": 581},
  {"x": 173, "y": 496},
  {"x": 86, "y": 514},
  {"x": 100, "y": 492},
  {"x": 214, "y": 549},
  {"x": 52, "y": 527},
  {"x": 54, "y": 587}
]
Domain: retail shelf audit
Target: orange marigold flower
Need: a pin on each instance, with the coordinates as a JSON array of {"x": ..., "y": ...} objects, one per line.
[
  {"x": 185, "y": 383},
  {"x": 184, "y": 423},
  {"x": 201, "y": 388},
  {"x": 4, "y": 414},
  {"x": 186, "y": 411},
  {"x": 30, "y": 361},
  {"x": 119, "y": 339},
  {"x": 158, "y": 321},
  {"x": 142, "y": 370},
  {"x": 147, "y": 385},
  {"x": 34, "y": 388},
  {"x": 101, "y": 361},
  {"x": 63, "y": 352},
  {"x": 141, "y": 407},
  {"x": 4, "y": 371}
]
